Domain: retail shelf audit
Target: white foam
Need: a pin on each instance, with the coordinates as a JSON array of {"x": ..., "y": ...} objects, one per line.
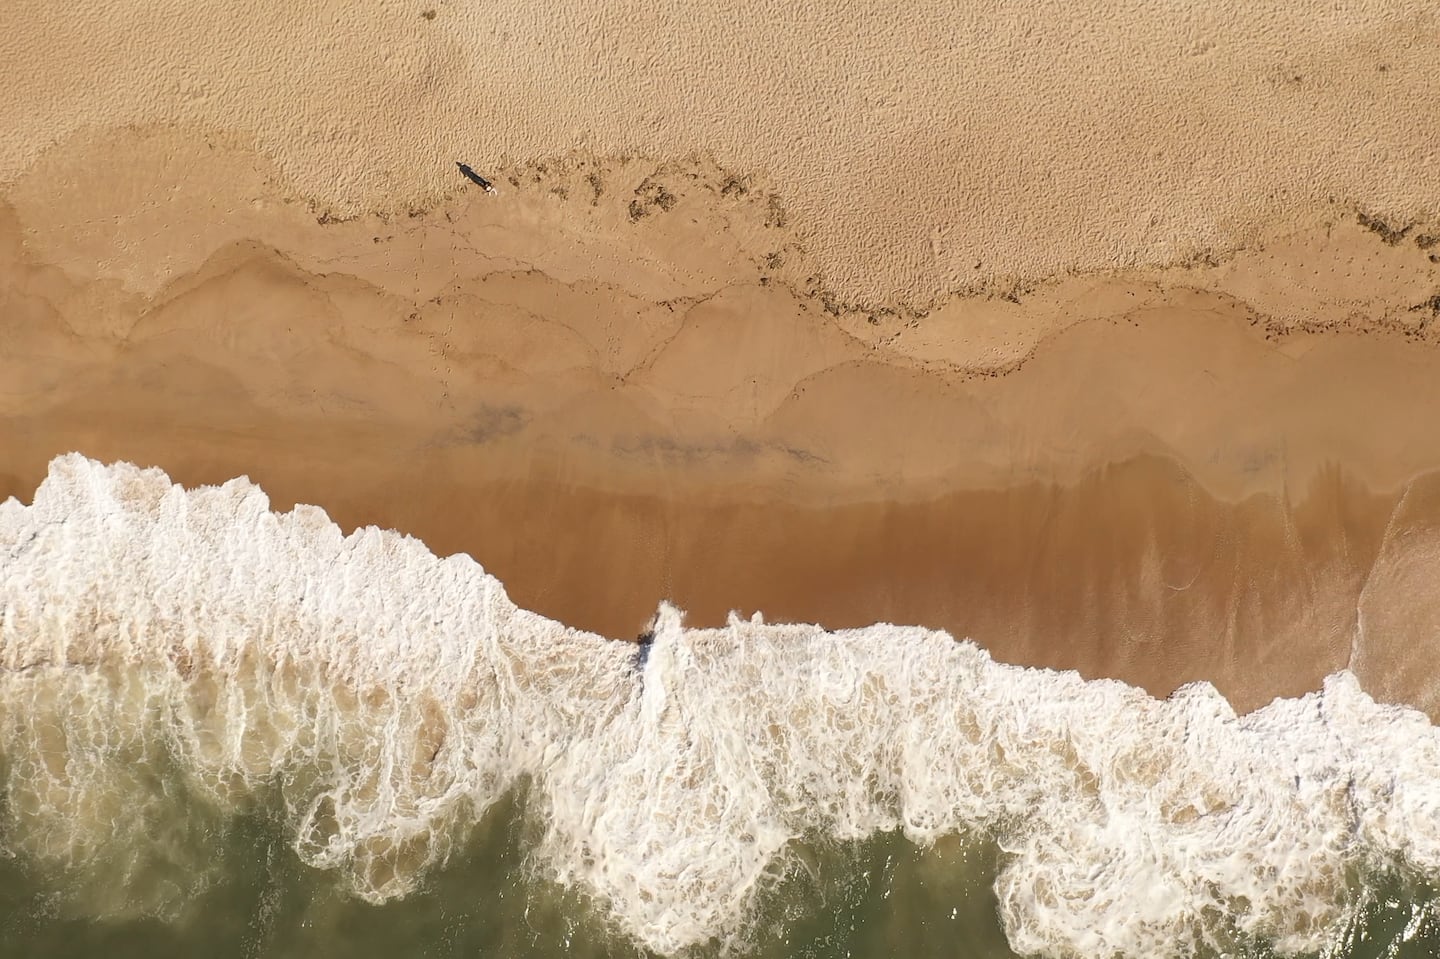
[{"x": 392, "y": 697}]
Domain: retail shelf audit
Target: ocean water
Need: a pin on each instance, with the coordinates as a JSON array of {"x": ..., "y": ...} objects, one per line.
[{"x": 231, "y": 732}]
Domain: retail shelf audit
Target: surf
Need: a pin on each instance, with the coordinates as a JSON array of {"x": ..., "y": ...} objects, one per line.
[{"x": 165, "y": 650}]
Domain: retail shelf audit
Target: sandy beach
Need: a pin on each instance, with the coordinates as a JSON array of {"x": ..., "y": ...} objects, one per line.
[
  {"x": 878, "y": 324},
  {"x": 801, "y": 415},
  {"x": 1125, "y": 475}
]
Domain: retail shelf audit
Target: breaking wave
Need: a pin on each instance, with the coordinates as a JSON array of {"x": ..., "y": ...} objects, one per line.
[{"x": 390, "y": 698}]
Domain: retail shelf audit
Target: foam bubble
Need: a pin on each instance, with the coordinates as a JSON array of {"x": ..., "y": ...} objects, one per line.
[{"x": 391, "y": 697}]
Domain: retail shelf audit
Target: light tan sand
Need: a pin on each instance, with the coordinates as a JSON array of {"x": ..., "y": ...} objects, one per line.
[
  {"x": 916, "y": 149},
  {"x": 1106, "y": 340}
]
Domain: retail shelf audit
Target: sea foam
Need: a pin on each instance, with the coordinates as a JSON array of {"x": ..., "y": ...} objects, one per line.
[{"x": 391, "y": 697}]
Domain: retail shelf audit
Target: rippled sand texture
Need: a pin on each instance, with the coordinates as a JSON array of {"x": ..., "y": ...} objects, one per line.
[{"x": 1103, "y": 336}]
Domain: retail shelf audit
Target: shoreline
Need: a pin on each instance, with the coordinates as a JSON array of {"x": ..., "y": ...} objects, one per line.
[
  {"x": 619, "y": 413},
  {"x": 392, "y": 698},
  {"x": 608, "y": 412},
  {"x": 1134, "y": 574}
]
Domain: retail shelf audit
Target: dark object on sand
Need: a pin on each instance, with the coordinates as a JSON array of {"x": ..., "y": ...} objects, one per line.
[
  {"x": 476, "y": 178},
  {"x": 642, "y": 655}
]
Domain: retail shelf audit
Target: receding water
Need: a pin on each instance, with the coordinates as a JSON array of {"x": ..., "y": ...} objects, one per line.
[
  {"x": 881, "y": 897},
  {"x": 227, "y": 732}
]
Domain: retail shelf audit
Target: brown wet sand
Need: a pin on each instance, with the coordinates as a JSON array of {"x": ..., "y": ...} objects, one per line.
[
  {"x": 1166, "y": 474},
  {"x": 1135, "y": 573}
]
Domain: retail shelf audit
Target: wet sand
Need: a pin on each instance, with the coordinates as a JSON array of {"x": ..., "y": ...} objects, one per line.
[
  {"x": 1104, "y": 335},
  {"x": 924, "y": 331},
  {"x": 1138, "y": 475}
]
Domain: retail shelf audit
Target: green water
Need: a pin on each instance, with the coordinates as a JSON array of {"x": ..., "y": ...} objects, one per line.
[
  {"x": 880, "y": 897},
  {"x": 865, "y": 899}
]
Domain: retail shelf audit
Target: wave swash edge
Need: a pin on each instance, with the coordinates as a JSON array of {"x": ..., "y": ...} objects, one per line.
[{"x": 392, "y": 697}]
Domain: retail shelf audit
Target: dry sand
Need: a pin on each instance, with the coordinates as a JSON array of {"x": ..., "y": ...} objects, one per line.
[
  {"x": 916, "y": 148},
  {"x": 1103, "y": 336}
]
